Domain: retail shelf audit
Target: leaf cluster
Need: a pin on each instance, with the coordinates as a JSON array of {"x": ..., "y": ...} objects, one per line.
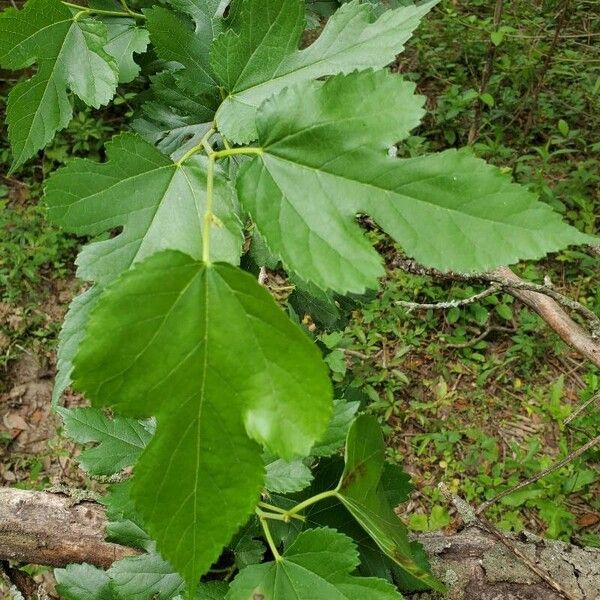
[{"x": 248, "y": 137}]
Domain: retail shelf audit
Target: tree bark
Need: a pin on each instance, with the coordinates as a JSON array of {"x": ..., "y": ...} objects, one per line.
[
  {"x": 557, "y": 318},
  {"x": 477, "y": 566},
  {"x": 45, "y": 528},
  {"x": 548, "y": 309},
  {"x": 48, "y": 529}
]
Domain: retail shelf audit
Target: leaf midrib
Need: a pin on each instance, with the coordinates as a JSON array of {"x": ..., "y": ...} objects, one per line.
[{"x": 429, "y": 205}]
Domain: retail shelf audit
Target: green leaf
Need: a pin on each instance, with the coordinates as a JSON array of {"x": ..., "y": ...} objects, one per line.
[
  {"x": 248, "y": 551},
  {"x": 395, "y": 487},
  {"x": 145, "y": 577},
  {"x": 174, "y": 39},
  {"x": 158, "y": 203},
  {"x": 487, "y": 99},
  {"x": 361, "y": 491},
  {"x": 182, "y": 355},
  {"x": 563, "y": 127},
  {"x": 335, "y": 436},
  {"x": 317, "y": 565},
  {"x": 71, "y": 334},
  {"x": 120, "y": 440},
  {"x": 175, "y": 120},
  {"x": 263, "y": 57},
  {"x": 206, "y": 14},
  {"x": 325, "y": 160},
  {"x": 70, "y": 55},
  {"x": 124, "y": 523},
  {"x": 83, "y": 582},
  {"x": 321, "y": 305},
  {"x": 125, "y": 40},
  {"x": 286, "y": 477},
  {"x": 497, "y": 37},
  {"x": 504, "y": 311},
  {"x": 395, "y": 484},
  {"x": 212, "y": 590}
]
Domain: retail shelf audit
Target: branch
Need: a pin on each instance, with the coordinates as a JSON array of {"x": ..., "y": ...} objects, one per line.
[
  {"x": 542, "y": 299},
  {"x": 43, "y": 528},
  {"x": 47, "y": 529},
  {"x": 493, "y": 289}
]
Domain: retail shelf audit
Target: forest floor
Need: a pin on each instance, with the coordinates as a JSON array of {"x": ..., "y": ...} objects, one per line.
[{"x": 475, "y": 397}]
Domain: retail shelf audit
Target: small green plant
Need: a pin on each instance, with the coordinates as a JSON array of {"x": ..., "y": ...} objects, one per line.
[{"x": 221, "y": 403}]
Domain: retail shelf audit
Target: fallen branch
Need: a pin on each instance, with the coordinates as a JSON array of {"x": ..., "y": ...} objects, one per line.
[
  {"x": 493, "y": 289},
  {"x": 44, "y": 528},
  {"x": 47, "y": 529},
  {"x": 535, "y": 296}
]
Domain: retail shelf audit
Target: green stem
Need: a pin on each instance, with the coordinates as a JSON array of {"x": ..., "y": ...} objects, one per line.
[
  {"x": 98, "y": 11},
  {"x": 128, "y": 10},
  {"x": 276, "y": 509},
  {"x": 201, "y": 145},
  {"x": 234, "y": 151},
  {"x": 272, "y": 516},
  {"x": 309, "y": 502},
  {"x": 268, "y": 536},
  {"x": 81, "y": 13},
  {"x": 208, "y": 216}
]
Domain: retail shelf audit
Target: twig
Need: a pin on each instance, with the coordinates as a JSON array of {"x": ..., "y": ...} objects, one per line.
[
  {"x": 356, "y": 353},
  {"x": 581, "y": 408},
  {"x": 451, "y": 303},
  {"x": 485, "y": 75},
  {"x": 480, "y": 337},
  {"x": 471, "y": 517},
  {"x": 561, "y": 463},
  {"x": 543, "y": 301}
]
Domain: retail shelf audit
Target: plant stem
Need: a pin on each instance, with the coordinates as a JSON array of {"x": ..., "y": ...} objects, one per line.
[
  {"x": 272, "y": 516},
  {"x": 281, "y": 511},
  {"x": 268, "y": 536},
  {"x": 109, "y": 13},
  {"x": 127, "y": 9},
  {"x": 208, "y": 216},
  {"x": 201, "y": 145},
  {"x": 309, "y": 502},
  {"x": 234, "y": 151}
]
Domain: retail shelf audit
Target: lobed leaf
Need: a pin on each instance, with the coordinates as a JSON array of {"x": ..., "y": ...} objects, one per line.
[
  {"x": 120, "y": 440},
  {"x": 174, "y": 120},
  {"x": 144, "y": 577},
  {"x": 158, "y": 203},
  {"x": 182, "y": 355},
  {"x": 70, "y": 54},
  {"x": 324, "y": 160},
  {"x": 262, "y": 58},
  {"x": 175, "y": 40},
  {"x": 124, "y": 39},
  {"x": 318, "y": 564}
]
